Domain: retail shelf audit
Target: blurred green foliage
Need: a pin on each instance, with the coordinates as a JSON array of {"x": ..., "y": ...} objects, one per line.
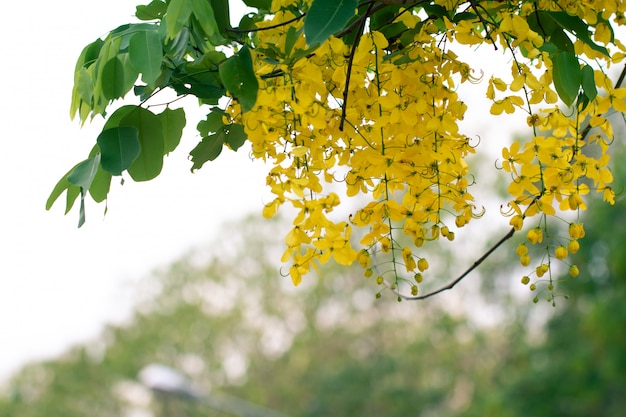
[{"x": 328, "y": 348}]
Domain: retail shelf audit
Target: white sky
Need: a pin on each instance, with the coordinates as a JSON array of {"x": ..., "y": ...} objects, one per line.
[{"x": 58, "y": 283}]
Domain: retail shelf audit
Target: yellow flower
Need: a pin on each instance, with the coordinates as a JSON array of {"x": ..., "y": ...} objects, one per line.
[
  {"x": 364, "y": 258},
  {"x": 560, "y": 253},
  {"x": 576, "y": 230},
  {"x": 409, "y": 260},
  {"x": 535, "y": 235},
  {"x": 422, "y": 264}
]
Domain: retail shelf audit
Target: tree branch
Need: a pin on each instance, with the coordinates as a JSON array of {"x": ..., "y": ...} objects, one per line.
[
  {"x": 350, "y": 62},
  {"x": 476, "y": 263}
]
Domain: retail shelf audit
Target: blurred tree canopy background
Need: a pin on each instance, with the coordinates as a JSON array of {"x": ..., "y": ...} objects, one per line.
[{"x": 328, "y": 348}]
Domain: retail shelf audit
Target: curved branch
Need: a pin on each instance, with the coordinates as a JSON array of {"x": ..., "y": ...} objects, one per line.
[{"x": 476, "y": 263}]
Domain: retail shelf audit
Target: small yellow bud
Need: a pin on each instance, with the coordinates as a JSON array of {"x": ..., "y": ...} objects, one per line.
[
  {"x": 525, "y": 279},
  {"x": 450, "y": 236},
  {"x": 535, "y": 235},
  {"x": 576, "y": 230},
  {"x": 368, "y": 272},
  {"x": 573, "y": 271},
  {"x": 418, "y": 277},
  {"x": 575, "y": 201},
  {"x": 414, "y": 290},
  {"x": 560, "y": 253},
  {"x": 364, "y": 258},
  {"x": 460, "y": 221},
  {"x": 573, "y": 246},
  {"x": 522, "y": 249},
  {"x": 422, "y": 264},
  {"x": 525, "y": 260},
  {"x": 541, "y": 270},
  {"x": 533, "y": 287},
  {"x": 445, "y": 231},
  {"x": 380, "y": 280},
  {"x": 517, "y": 222}
]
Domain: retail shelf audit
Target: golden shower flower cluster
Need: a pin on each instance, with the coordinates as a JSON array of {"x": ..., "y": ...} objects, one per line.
[
  {"x": 397, "y": 149},
  {"x": 396, "y": 146}
]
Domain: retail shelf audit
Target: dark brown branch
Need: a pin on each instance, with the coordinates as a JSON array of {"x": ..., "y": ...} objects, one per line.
[
  {"x": 484, "y": 23},
  {"x": 476, "y": 263},
  {"x": 346, "y": 89}
]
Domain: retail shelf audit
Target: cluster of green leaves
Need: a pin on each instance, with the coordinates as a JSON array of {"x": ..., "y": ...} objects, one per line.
[
  {"x": 178, "y": 52},
  {"x": 558, "y": 28}
]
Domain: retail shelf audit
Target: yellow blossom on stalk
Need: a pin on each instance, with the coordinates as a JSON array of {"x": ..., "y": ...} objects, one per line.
[
  {"x": 535, "y": 235},
  {"x": 560, "y": 253},
  {"x": 409, "y": 260},
  {"x": 397, "y": 146},
  {"x": 573, "y": 246}
]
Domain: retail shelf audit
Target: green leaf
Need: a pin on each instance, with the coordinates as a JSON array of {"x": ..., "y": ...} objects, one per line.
[
  {"x": 112, "y": 80},
  {"x": 562, "y": 41},
  {"x": 178, "y": 13},
  {"x": 290, "y": 39},
  {"x": 214, "y": 135},
  {"x": 84, "y": 85},
  {"x": 60, "y": 187},
  {"x": 119, "y": 147},
  {"x": 221, "y": 10},
  {"x": 172, "y": 122},
  {"x": 235, "y": 136},
  {"x": 155, "y": 10},
  {"x": 82, "y": 177},
  {"x": 326, "y": 17},
  {"x": 146, "y": 53},
  {"x": 588, "y": 83},
  {"x": 83, "y": 174},
  {"x": 101, "y": 183},
  {"x": 238, "y": 77},
  {"x": 214, "y": 122},
  {"x": 204, "y": 13},
  {"x": 567, "y": 76},
  {"x": 207, "y": 150},
  {"x": 149, "y": 162},
  {"x": 100, "y": 186},
  {"x": 578, "y": 28}
]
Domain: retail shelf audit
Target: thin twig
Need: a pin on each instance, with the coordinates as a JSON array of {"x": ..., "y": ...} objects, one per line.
[
  {"x": 476, "y": 263},
  {"x": 277, "y": 25},
  {"x": 484, "y": 23},
  {"x": 346, "y": 89}
]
